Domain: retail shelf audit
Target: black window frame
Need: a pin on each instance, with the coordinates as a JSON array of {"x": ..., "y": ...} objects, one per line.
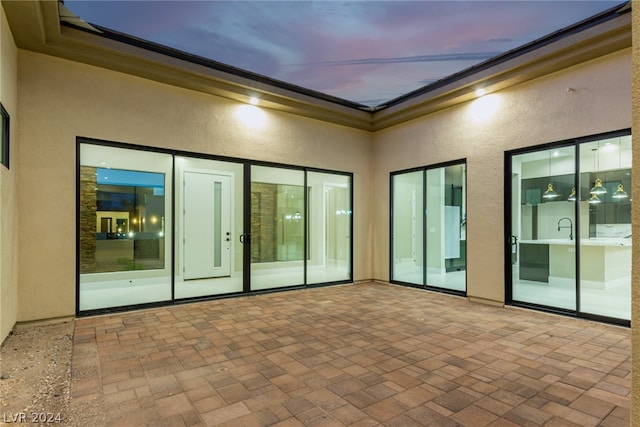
[{"x": 4, "y": 152}]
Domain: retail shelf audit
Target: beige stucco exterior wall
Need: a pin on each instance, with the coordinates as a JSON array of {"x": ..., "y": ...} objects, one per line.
[
  {"x": 60, "y": 100},
  {"x": 529, "y": 114},
  {"x": 8, "y": 186},
  {"x": 635, "y": 220}
]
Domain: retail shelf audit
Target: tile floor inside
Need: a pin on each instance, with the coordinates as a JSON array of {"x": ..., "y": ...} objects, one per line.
[{"x": 360, "y": 355}]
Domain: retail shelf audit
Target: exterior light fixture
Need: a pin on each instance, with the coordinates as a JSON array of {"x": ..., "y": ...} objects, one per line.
[{"x": 572, "y": 196}]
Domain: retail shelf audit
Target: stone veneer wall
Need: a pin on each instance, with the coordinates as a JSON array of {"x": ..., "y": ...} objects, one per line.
[
  {"x": 88, "y": 218},
  {"x": 264, "y": 202}
]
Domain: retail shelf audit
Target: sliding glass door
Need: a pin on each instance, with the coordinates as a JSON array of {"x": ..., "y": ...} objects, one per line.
[
  {"x": 278, "y": 219},
  {"x": 428, "y": 227},
  {"x": 125, "y": 216},
  {"x": 156, "y": 227},
  {"x": 209, "y": 207},
  {"x": 570, "y": 230}
]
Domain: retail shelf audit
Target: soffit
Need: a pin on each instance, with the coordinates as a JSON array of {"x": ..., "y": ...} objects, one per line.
[{"x": 36, "y": 26}]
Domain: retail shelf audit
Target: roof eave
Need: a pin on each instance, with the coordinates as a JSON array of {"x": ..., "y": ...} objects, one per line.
[{"x": 118, "y": 54}]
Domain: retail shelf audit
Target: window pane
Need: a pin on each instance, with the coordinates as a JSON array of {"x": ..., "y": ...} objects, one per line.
[
  {"x": 124, "y": 208},
  {"x": 605, "y": 244},
  {"x": 209, "y": 209},
  {"x": 446, "y": 227},
  {"x": 329, "y": 227},
  {"x": 543, "y": 225},
  {"x": 407, "y": 227},
  {"x": 277, "y": 227}
]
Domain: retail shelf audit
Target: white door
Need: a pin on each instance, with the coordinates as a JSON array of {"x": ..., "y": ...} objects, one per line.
[{"x": 207, "y": 225}]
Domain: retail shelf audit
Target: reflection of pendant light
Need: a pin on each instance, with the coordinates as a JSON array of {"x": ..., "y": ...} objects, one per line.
[
  {"x": 594, "y": 200},
  {"x": 597, "y": 188},
  {"x": 549, "y": 194},
  {"x": 620, "y": 193},
  {"x": 572, "y": 196}
]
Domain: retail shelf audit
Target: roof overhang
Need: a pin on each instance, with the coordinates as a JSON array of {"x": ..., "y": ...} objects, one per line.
[{"x": 36, "y": 26}]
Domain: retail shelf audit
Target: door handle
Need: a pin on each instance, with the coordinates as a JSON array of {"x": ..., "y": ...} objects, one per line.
[{"x": 245, "y": 238}]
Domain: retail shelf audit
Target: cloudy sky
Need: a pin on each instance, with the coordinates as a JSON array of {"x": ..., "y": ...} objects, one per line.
[{"x": 363, "y": 51}]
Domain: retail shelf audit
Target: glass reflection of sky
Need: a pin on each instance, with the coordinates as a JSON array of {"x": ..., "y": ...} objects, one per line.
[{"x": 129, "y": 178}]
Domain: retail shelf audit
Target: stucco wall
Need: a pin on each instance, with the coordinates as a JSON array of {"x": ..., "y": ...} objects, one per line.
[
  {"x": 60, "y": 100},
  {"x": 8, "y": 200},
  {"x": 481, "y": 131}
]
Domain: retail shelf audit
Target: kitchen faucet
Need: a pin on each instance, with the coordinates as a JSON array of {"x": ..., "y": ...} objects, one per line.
[{"x": 570, "y": 226}]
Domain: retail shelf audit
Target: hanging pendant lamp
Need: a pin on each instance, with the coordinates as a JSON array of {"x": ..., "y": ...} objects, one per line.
[
  {"x": 572, "y": 196},
  {"x": 620, "y": 193},
  {"x": 550, "y": 194},
  {"x": 594, "y": 200},
  {"x": 598, "y": 188}
]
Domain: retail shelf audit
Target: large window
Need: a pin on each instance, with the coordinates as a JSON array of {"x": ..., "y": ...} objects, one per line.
[
  {"x": 428, "y": 227},
  {"x": 124, "y": 219},
  {"x": 570, "y": 227},
  {"x": 156, "y": 227}
]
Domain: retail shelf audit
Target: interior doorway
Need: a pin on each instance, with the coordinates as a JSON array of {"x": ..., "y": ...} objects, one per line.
[{"x": 206, "y": 221}]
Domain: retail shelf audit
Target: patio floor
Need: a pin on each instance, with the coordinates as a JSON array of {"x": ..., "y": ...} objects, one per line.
[{"x": 359, "y": 355}]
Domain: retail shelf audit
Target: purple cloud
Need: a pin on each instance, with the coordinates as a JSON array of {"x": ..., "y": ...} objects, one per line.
[{"x": 364, "y": 51}]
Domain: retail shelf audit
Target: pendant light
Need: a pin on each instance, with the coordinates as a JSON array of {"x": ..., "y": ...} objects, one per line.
[
  {"x": 594, "y": 200},
  {"x": 620, "y": 193},
  {"x": 572, "y": 196},
  {"x": 597, "y": 189},
  {"x": 550, "y": 194}
]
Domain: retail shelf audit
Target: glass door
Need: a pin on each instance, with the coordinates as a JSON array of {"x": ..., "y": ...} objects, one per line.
[
  {"x": 407, "y": 227},
  {"x": 278, "y": 226},
  {"x": 571, "y": 228},
  {"x": 544, "y": 228},
  {"x": 605, "y": 241},
  {"x": 125, "y": 216},
  {"x": 209, "y": 207},
  {"x": 428, "y": 227},
  {"x": 329, "y": 226}
]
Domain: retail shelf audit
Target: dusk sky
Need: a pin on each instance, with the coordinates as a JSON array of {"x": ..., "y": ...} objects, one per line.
[{"x": 363, "y": 51}]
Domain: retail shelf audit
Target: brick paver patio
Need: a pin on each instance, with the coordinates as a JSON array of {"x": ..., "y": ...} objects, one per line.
[{"x": 359, "y": 355}]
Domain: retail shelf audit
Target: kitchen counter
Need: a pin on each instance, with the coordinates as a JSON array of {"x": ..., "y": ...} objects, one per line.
[
  {"x": 603, "y": 261},
  {"x": 601, "y": 241}
]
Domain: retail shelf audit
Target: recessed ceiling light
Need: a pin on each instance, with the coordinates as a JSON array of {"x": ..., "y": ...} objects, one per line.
[
  {"x": 253, "y": 100},
  {"x": 480, "y": 92}
]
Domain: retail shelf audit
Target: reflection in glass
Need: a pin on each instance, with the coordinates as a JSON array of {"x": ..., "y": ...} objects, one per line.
[
  {"x": 408, "y": 227},
  {"x": 446, "y": 225},
  {"x": 439, "y": 220},
  {"x": 277, "y": 227},
  {"x": 127, "y": 212},
  {"x": 542, "y": 242},
  {"x": 329, "y": 228},
  {"x": 548, "y": 238},
  {"x": 124, "y": 209},
  {"x": 605, "y": 244}
]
